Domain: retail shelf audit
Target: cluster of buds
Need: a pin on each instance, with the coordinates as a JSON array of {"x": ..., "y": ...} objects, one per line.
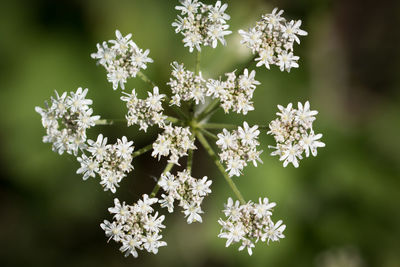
[
  {"x": 236, "y": 92},
  {"x": 175, "y": 140},
  {"x": 202, "y": 24},
  {"x": 272, "y": 39},
  {"x": 239, "y": 147},
  {"x": 66, "y": 121},
  {"x": 147, "y": 112},
  {"x": 135, "y": 227},
  {"x": 186, "y": 85},
  {"x": 124, "y": 59},
  {"x": 185, "y": 189},
  {"x": 294, "y": 134},
  {"x": 249, "y": 223},
  {"x": 110, "y": 162}
]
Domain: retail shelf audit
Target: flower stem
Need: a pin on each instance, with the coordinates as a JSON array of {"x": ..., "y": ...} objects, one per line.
[
  {"x": 146, "y": 79},
  {"x": 109, "y": 121},
  {"x": 190, "y": 161},
  {"x": 218, "y": 126},
  {"x": 208, "y": 134},
  {"x": 208, "y": 110},
  {"x": 173, "y": 119},
  {"x": 221, "y": 168},
  {"x": 157, "y": 187},
  {"x": 142, "y": 151},
  {"x": 198, "y": 58}
]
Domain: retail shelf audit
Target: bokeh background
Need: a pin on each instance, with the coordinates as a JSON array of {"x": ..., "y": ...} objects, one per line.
[{"x": 341, "y": 208}]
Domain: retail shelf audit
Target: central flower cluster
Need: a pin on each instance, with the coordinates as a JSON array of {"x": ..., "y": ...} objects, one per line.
[{"x": 187, "y": 190}]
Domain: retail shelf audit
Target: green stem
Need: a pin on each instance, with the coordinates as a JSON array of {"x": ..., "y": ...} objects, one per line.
[
  {"x": 198, "y": 58},
  {"x": 221, "y": 168},
  {"x": 190, "y": 161},
  {"x": 209, "y": 109},
  {"x": 157, "y": 187},
  {"x": 109, "y": 121},
  {"x": 218, "y": 126},
  {"x": 208, "y": 134},
  {"x": 142, "y": 151},
  {"x": 146, "y": 79},
  {"x": 173, "y": 120}
]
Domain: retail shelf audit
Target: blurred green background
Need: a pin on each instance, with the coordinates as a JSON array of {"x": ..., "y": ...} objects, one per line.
[{"x": 341, "y": 208}]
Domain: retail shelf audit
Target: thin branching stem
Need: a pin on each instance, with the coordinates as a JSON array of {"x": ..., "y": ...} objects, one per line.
[
  {"x": 208, "y": 134},
  {"x": 221, "y": 168},
  {"x": 218, "y": 126},
  {"x": 208, "y": 110},
  {"x": 157, "y": 186},
  {"x": 190, "y": 161},
  {"x": 110, "y": 121},
  {"x": 142, "y": 151}
]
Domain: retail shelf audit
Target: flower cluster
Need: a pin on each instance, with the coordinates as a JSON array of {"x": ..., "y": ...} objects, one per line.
[
  {"x": 272, "y": 39},
  {"x": 189, "y": 191},
  {"x": 135, "y": 227},
  {"x": 175, "y": 140},
  {"x": 123, "y": 59},
  {"x": 294, "y": 134},
  {"x": 110, "y": 162},
  {"x": 147, "y": 112},
  {"x": 202, "y": 24},
  {"x": 186, "y": 85},
  {"x": 249, "y": 223},
  {"x": 239, "y": 147},
  {"x": 236, "y": 92},
  {"x": 66, "y": 121}
]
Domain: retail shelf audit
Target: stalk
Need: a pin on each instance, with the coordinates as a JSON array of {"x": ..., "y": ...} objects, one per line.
[
  {"x": 221, "y": 168},
  {"x": 142, "y": 151},
  {"x": 157, "y": 187}
]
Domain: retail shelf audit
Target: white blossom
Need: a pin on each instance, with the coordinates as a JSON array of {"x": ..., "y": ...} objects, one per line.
[
  {"x": 235, "y": 93},
  {"x": 66, "y": 121},
  {"x": 123, "y": 60},
  {"x": 174, "y": 141},
  {"x": 239, "y": 147},
  {"x": 272, "y": 38},
  {"x": 201, "y": 24},
  {"x": 110, "y": 162},
  {"x": 249, "y": 223},
  {"x": 145, "y": 112},
  {"x": 135, "y": 227},
  {"x": 189, "y": 192},
  {"x": 294, "y": 134}
]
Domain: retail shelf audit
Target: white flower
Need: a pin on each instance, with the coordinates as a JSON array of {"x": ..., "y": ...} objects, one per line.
[
  {"x": 98, "y": 148},
  {"x": 249, "y": 222},
  {"x": 112, "y": 230},
  {"x": 286, "y": 61},
  {"x": 187, "y": 190},
  {"x": 238, "y": 148},
  {"x": 274, "y": 232},
  {"x": 124, "y": 148},
  {"x": 111, "y": 162},
  {"x": 151, "y": 242},
  {"x": 135, "y": 227},
  {"x": 174, "y": 141},
  {"x": 192, "y": 212},
  {"x": 272, "y": 38},
  {"x": 129, "y": 245},
  {"x": 66, "y": 121},
  {"x": 89, "y": 167},
  {"x": 123, "y": 60},
  {"x": 293, "y": 133},
  {"x": 310, "y": 142},
  {"x": 201, "y": 24}
]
